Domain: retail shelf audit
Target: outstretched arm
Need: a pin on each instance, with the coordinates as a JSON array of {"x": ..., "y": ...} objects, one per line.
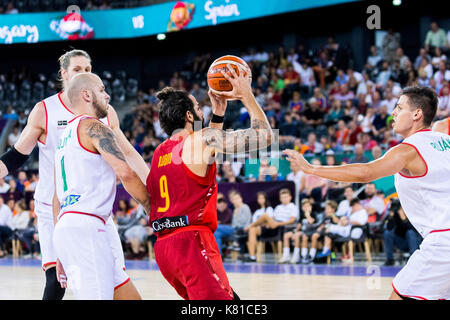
[
  {"x": 133, "y": 158},
  {"x": 396, "y": 159},
  {"x": 95, "y": 136}
]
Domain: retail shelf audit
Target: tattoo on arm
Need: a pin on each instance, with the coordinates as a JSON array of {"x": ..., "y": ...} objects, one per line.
[
  {"x": 258, "y": 136},
  {"x": 106, "y": 140}
]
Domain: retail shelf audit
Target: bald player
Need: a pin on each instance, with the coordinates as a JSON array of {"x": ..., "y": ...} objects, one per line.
[
  {"x": 442, "y": 126},
  {"x": 45, "y": 124},
  {"x": 87, "y": 160}
]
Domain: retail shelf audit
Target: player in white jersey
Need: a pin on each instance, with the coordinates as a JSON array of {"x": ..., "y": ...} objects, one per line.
[
  {"x": 45, "y": 124},
  {"x": 87, "y": 160},
  {"x": 421, "y": 165}
]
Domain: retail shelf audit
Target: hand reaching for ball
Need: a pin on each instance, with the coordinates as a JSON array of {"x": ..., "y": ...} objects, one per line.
[{"x": 240, "y": 82}]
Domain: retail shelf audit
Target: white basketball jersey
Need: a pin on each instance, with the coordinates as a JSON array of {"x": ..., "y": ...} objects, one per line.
[
  {"x": 85, "y": 182},
  {"x": 426, "y": 199},
  {"x": 58, "y": 115}
]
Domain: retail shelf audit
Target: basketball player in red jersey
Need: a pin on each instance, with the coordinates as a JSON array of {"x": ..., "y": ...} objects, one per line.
[
  {"x": 442, "y": 126},
  {"x": 183, "y": 188}
]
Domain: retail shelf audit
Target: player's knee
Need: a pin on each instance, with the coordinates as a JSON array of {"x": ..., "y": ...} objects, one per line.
[{"x": 53, "y": 290}]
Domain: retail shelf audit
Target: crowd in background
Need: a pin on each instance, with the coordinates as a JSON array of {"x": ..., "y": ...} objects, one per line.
[{"x": 322, "y": 107}]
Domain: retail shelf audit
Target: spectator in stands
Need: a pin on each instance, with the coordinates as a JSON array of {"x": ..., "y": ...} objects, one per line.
[
  {"x": 242, "y": 218},
  {"x": 313, "y": 115},
  {"x": 285, "y": 215},
  {"x": 296, "y": 177},
  {"x": 30, "y": 234},
  {"x": 422, "y": 55},
  {"x": 10, "y": 9},
  {"x": 198, "y": 92},
  {"x": 391, "y": 42},
  {"x": 299, "y": 146},
  {"x": 344, "y": 93},
  {"x": 344, "y": 209},
  {"x": 313, "y": 186},
  {"x": 314, "y": 147},
  {"x": 5, "y": 220},
  {"x": 289, "y": 130},
  {"x": 13, "y": 137},
  {"x": 435, "y": 38},
  {"x": 438, "y": 57},
  {"x": 303, "y": 231},
  {"x": 90, "y": 6},
  {"x": 383, "y": 76},
  {"x": 267, "y": 172},
  {"x": 22, "y": 120},
  {"x": 341, "y": 77},
  {"x": 444, "y": 102},
  {"x": 359, "y": 155},
  {"x": 373, "y": 204},
  {"x": 22, "y": 180},
  {"x": 442, "y": 74},
  {"x": 330, "y": 217},
  {"x": 399, "y": 233},
  {"x": 367, "y": 141},
  {"x": 136, "y": 230},
  {"x": 401, "y": 58},
  {"x": 224, "y": 219},
  {"x": 376, "y": 152},
  {"x": 380, "y": 120},
  {"x": 357, "y": 218},
  {"x": 4, "y": 187},
  {"x": 123, "y": 209},
  {"x": 374, "y": 58},
  {"x": 296, "y": 104},
  {"x": 30, "y": 185}
]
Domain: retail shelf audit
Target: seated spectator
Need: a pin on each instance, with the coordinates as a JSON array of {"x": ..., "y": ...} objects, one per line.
[
  {"x": 374, "y": 58},
  {"x": 401, "y": 58},
  {"x": 303, "y": 230},
  {"x": 123, "y": 209},
  {"x": 344, "y": 93},
  {"x": 341, "y": 77},
  {"x": 242, "y": 217},
  {"x": 296, "y": 176},
  {"x": 299, "y": 146},
  {"x": 328, "y": 219},
  {"x": 224, "y": 218},
  {"x": 313, "y": 115},
  {"x": 134, "y": 229},
  {"x": 30, "y": 235},
  {"x": 313, "y": 186},
  {"x": 359, "y": 155},
  {"x": 442, "y": 74},
  {"x": 321, "y": 99},
  {"x": 399, "y": 234},
  {"x": 21, "y": 181},
  {"x": 13, "y": 137},
  {"x": 314, "y": 147},
  {"x": 367, "y": 141},
  {"x": 289, "y": 130},
  {"x": 30, "y": 185},
  {"x": 267, "y": 172},
  {"x": 4, "y": 187},
  {"x": 296, "y": 105},
  {"x": 383, "y": 76},
  {"x": 438, "y": 57},
  {"x": 376, "y": 152},
  {"x": 380, "y": 120},
  {"x": 284, "y": 216},
  {"x": 373, "y": 204},
  {"x": 344, "y": 209},
  {"x": 12, "y": 223},
  {"x": 358, "y": 217},
  {"x": 444, "y": 102}
]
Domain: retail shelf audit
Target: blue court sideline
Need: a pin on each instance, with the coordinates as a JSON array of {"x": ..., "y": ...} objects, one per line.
[{"x": 237, "y": 267}]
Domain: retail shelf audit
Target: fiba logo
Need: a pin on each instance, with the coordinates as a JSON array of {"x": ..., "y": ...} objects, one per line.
[{"x": 374, "y": 20}]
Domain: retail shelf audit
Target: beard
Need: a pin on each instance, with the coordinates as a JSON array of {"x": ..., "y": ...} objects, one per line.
[
  {"x": 99, "y": 111},
  {"x": 198, "y": 123}
]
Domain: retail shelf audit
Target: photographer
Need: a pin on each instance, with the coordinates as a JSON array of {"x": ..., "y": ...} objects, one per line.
[{"x": 399, "y": 233}]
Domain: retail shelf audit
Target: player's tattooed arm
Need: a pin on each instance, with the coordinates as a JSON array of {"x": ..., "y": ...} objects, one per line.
[
  {"x": 258, "y": 136},
  {"x": 106, "y": 139}
]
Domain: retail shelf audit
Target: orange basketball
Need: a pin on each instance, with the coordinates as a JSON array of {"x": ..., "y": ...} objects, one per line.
[{"x": 216, "y": 80}]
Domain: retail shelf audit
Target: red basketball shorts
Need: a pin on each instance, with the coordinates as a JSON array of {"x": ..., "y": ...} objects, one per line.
[{"x": 189, "y": 260}]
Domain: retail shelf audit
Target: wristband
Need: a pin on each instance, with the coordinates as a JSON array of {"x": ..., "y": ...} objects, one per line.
[
  {"x": 217, "y": 119},
  {"x": 13, "y": 159}
]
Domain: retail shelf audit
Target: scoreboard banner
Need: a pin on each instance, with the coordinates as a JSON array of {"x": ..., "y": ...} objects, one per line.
[{"x": 76, "y": 24}]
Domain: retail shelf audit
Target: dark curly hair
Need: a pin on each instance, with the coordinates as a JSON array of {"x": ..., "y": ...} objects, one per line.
[
  {"x": 423, "y": 98},
  {"x": 173, "y": 105}
]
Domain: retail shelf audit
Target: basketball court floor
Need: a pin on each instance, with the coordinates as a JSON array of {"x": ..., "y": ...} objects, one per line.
[{"x": 24, "y": 279}]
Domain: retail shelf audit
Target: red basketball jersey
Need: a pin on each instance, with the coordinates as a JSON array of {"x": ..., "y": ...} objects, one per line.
[{"x": 180, "y": 198}]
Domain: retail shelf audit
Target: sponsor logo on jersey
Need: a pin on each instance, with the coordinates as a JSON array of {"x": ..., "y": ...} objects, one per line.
[
  {"x": 441, "y": 145},
  {"x": 70, "y": 200},
  {"x": 170, "y": 223}
]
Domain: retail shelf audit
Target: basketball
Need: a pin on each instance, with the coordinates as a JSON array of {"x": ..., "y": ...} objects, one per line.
[{"x": 216, "y": 80}]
